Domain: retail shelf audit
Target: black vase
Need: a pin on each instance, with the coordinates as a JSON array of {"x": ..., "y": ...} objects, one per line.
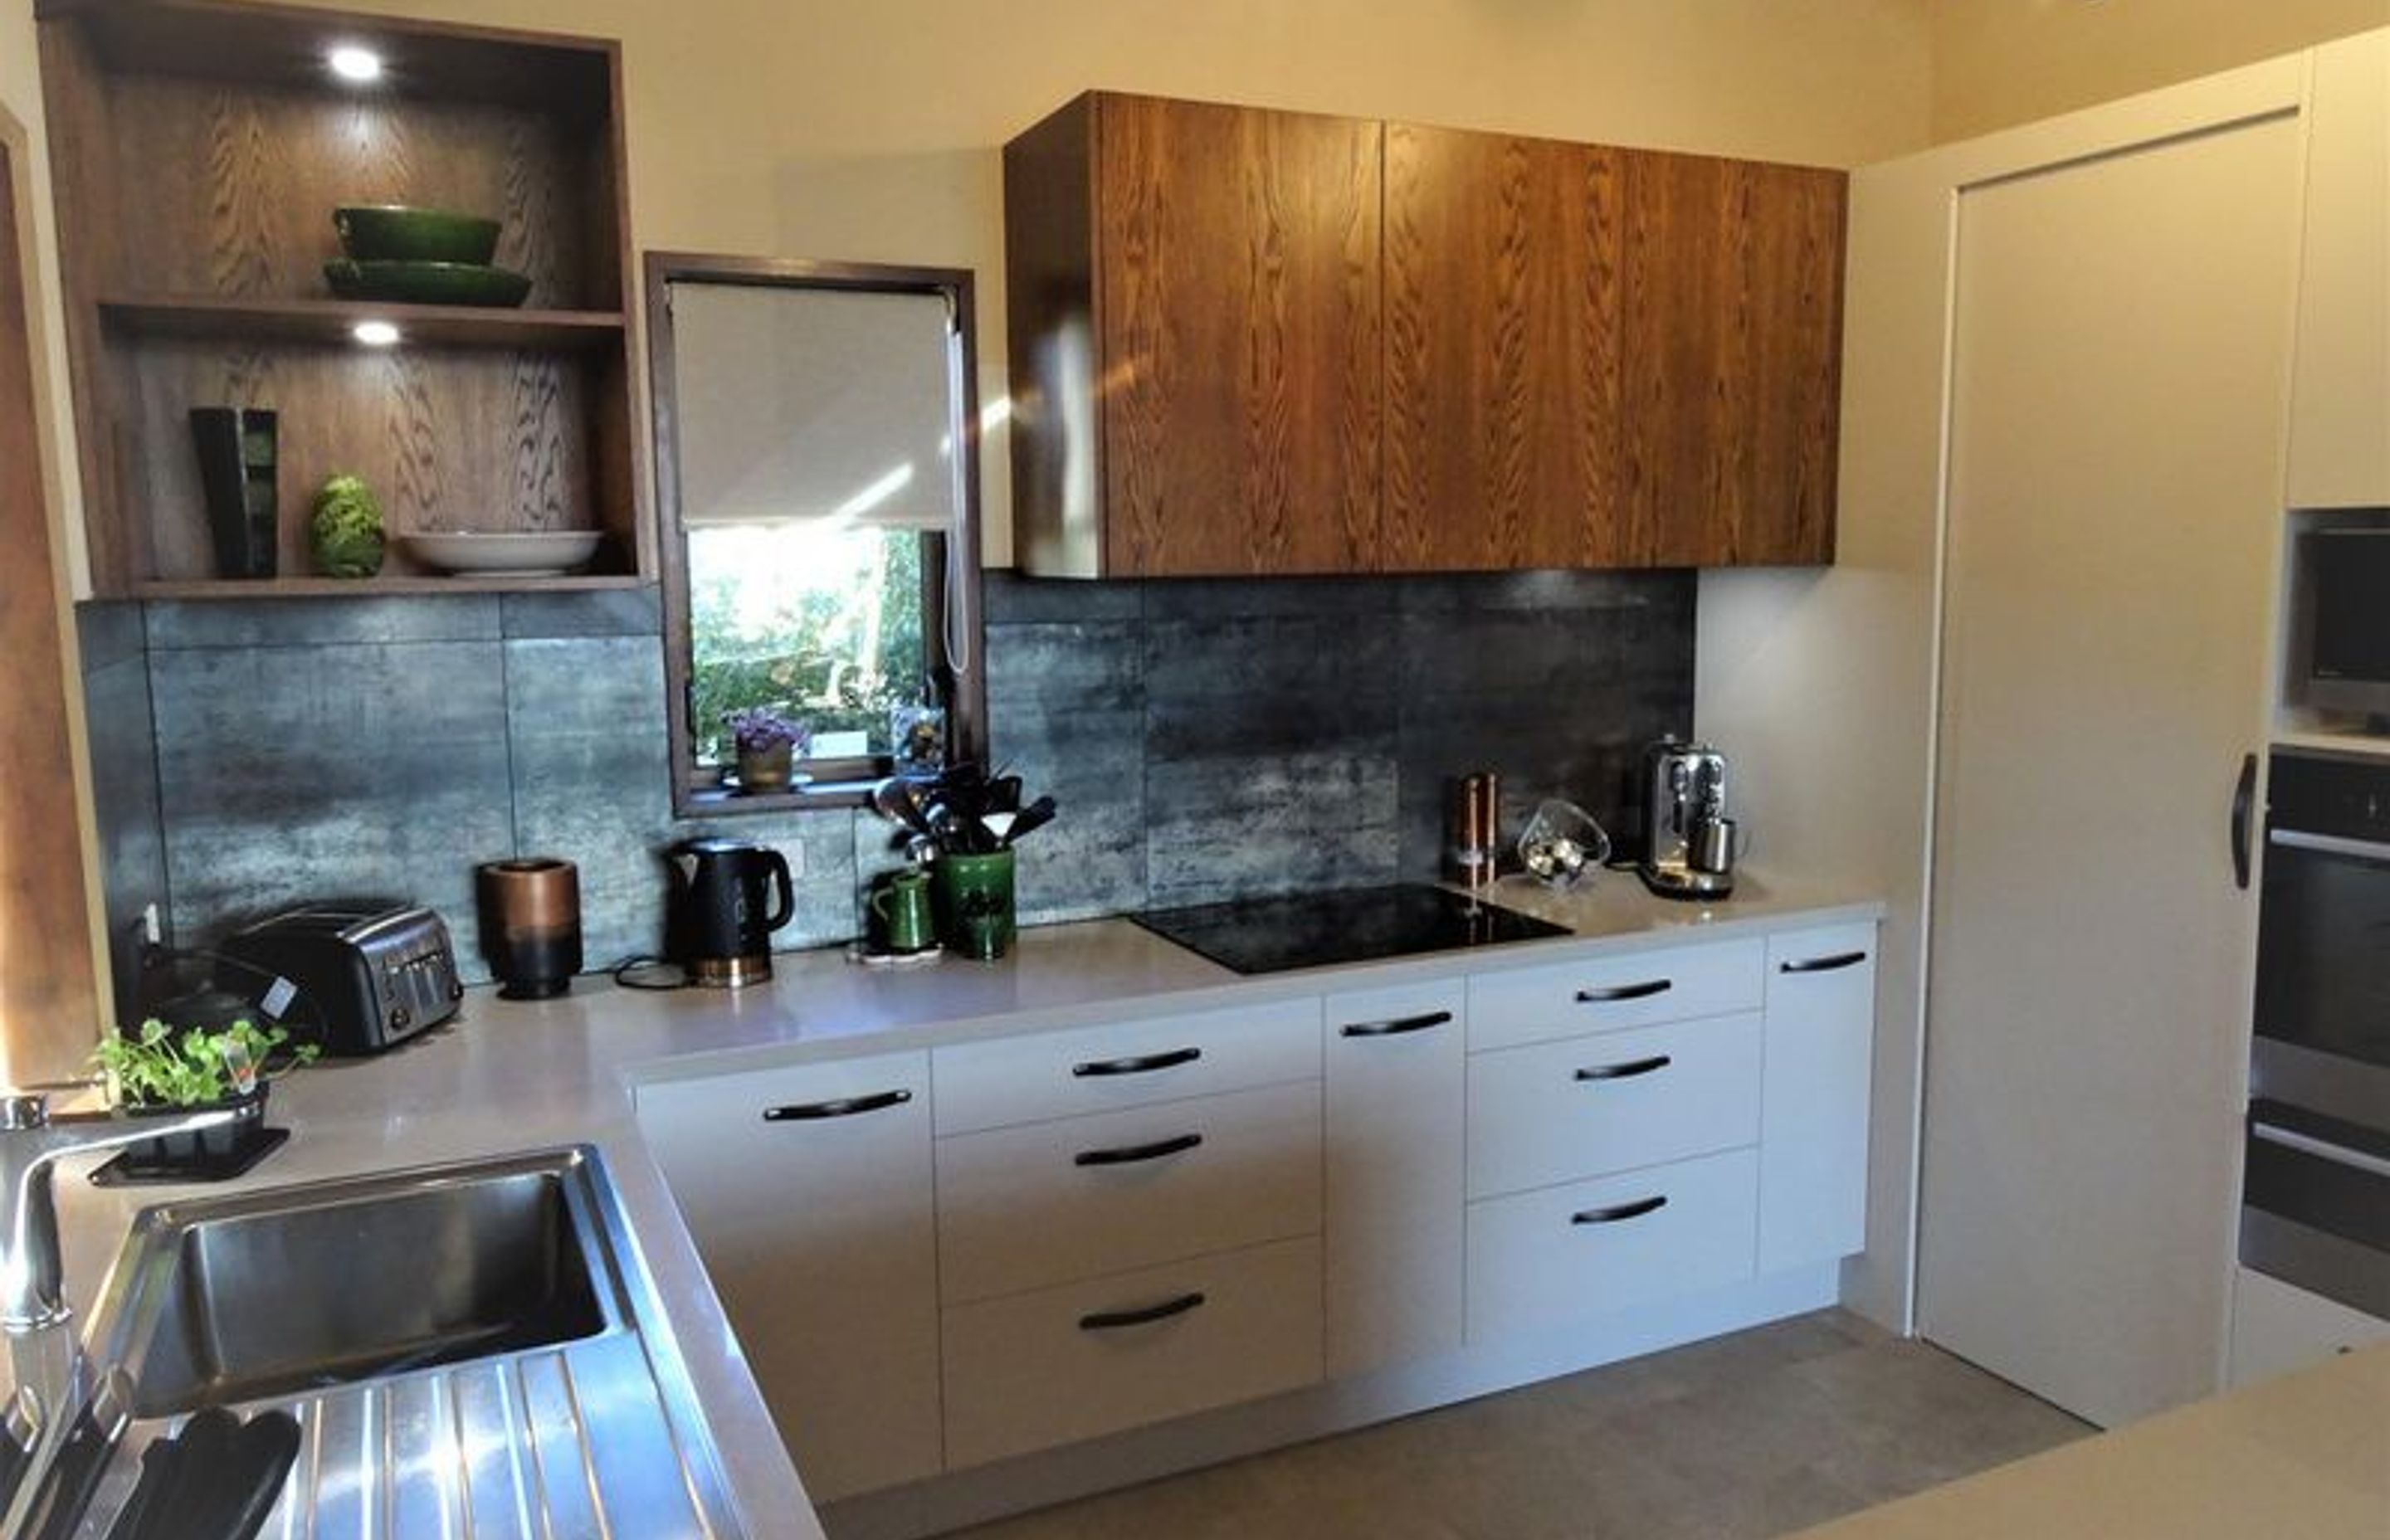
[{"x": 237, "y": 474}]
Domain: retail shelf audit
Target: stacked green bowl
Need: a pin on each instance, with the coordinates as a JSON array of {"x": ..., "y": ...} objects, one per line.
[{"x": 421, "y": 256}]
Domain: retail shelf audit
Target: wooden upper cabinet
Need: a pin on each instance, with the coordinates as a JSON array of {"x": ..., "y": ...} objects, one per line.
[
  {"x": 1502, "y": 353},
  {"x": 1247, "y": 341},
  {"x": 1731, "y": 358},
  {"x": 1194, "y": 310}
]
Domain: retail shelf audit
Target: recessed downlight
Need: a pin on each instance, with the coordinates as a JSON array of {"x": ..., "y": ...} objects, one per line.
[
  {"x": 375, "y": 334},
  {"x": 355, "y": 65}
]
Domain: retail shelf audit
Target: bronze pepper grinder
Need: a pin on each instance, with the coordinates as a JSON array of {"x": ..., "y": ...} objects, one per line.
[{"x": 1476, "y": 828}]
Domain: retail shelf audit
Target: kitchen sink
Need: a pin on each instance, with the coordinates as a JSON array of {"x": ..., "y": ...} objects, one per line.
[{"x": 281, "y": 1292}]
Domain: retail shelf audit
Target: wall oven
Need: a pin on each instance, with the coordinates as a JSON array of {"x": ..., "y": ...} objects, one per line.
[{"x": 2316, "y": 1206}]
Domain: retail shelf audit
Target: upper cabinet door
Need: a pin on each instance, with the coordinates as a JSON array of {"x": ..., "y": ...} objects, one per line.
[
  {"x": 1732, "y": 359},
  {"x": 1502, "y": 353},
  {"x": 2340, "y": 383}
]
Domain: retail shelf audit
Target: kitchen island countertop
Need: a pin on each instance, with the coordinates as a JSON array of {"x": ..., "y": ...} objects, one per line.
[
  {"x": 511, "y": 1076},
  {"x": 2306, "y": 1454}
]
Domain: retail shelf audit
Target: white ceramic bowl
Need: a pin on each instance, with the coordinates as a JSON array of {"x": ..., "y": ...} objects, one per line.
[{"x": 472, "y": 553}]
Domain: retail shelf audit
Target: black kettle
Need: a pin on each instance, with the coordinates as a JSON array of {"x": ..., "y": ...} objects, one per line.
[{"x": 718, "y": 917}]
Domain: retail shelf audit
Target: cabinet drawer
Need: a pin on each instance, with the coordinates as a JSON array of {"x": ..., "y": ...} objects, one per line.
[
  {"x": 1031, "y": 1371},
  {"x": 1041, "y": 1204},
  {"x": 1534, "y": 1005},
  {"x": 1061, "y": 1074},
  {"x": 1538, "y": 1259},
  {"x": 1561, "y": 1111}
]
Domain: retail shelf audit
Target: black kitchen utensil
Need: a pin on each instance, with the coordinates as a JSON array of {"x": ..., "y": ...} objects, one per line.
[
  {"x": 1038, "y": 814},
  {"x": 263, "y": 1455},
  {"x": 1004, "y": 794},
  {"x": 75, "y": 1471}
]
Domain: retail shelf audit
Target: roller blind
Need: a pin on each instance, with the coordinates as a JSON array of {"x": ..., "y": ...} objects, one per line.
[{"x": 814, "y": 405}]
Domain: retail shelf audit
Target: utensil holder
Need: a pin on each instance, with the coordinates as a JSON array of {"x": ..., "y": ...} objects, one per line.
[{"x": 975, "y": 908}]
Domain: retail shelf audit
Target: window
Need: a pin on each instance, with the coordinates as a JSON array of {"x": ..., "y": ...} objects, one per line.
[{"x": 816, "y": 430}]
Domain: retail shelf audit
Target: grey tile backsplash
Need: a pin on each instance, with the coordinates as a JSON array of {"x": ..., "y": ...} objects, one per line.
[{"x": 1205, "y": 739}]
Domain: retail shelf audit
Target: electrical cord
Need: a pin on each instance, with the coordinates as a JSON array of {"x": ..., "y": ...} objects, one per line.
[{"x": 627, "y": 975}]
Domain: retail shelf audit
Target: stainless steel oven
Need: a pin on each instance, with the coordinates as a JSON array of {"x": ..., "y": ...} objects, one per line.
[{"x": 2316, "y": 1208}]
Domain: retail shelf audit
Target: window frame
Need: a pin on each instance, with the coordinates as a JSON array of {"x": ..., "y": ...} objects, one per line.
[{"x": 845, "y": 782}]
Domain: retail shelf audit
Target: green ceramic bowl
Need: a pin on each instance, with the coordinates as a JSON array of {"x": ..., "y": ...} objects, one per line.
[
  {"x": 427, "y": 283},
  {"x": 393, "y": 232}
]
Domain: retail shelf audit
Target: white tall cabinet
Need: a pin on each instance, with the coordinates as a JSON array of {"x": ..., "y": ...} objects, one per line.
[
  {"x": 2120, "y": 354},
  {"x": 2340, "y": 403}
]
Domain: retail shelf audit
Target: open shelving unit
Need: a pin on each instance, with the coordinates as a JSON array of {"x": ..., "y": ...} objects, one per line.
[{"x": 199, "y": 149}]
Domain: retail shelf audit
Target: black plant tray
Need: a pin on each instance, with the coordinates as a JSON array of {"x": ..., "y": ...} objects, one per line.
[{"x": 141, "y": 1168}]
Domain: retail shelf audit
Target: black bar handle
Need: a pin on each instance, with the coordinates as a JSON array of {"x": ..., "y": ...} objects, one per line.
[
  {"x": 1112, "y": 1320},
  {"x": 844, "y": 1107},
  {"x": 2244, "y": 803},
  {"x": 1822, "y": 965},
  {"x": 1643, "y": 991},
  {"x": 1617, "y": 1212},
  {"x": 1627, "y": 1070},
  {"x": 1178, "y": 1144},
  {"x": 1397, "y": 1027},
  {"x": 1142, "y": 1064}
]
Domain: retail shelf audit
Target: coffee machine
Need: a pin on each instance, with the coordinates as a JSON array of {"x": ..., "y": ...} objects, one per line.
[{"x": 1689, "y": 850}]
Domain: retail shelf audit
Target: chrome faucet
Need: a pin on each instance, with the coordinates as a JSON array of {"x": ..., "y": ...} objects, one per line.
[{"x": 31, "y": 1143}]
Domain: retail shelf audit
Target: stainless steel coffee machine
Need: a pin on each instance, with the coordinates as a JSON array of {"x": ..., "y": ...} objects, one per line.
[{"x": 1690, "y": 850}]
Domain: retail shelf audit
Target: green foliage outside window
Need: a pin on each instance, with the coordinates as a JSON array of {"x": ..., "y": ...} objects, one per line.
[{"x": 824, "y": 626}]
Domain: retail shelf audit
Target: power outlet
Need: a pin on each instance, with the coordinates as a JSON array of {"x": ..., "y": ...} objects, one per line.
[{"x": 153, "y": 929}]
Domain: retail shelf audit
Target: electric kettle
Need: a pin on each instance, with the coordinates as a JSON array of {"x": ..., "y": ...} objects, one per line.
[{"x": 725, "y": 900}]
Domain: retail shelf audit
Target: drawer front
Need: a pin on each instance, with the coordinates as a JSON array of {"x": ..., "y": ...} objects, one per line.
[
  {"x": 1540, "y": 1259},
  {"x": 1561, "y": 1111},
  {"x": 1062, "y": 1074},
  {"x": 1047, "y": 1202},
  {"x": 1031, "y": 1371},
  {"x": 1535, "y": 1005}
]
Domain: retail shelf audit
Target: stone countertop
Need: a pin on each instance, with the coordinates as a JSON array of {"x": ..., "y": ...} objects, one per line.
[
  {"x": 511, "y": 1076},
  {"x": 2306, "y": 1454}
]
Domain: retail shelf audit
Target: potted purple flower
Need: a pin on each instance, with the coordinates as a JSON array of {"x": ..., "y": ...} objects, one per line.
[{"x": 769, "y": 745}]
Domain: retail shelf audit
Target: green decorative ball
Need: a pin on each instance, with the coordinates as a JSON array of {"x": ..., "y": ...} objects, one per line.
[{"x": 347, "y": 529}]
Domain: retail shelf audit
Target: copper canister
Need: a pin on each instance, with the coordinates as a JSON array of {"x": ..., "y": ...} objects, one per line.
[{"x": 531, "y": 925}]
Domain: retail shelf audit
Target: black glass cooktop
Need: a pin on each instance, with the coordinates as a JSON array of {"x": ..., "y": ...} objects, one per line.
[{"x": 1270, "y": 935}]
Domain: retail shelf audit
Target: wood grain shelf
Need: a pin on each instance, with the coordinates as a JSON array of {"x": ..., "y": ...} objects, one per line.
[
  {"x": 206, "y": 318},
  {"x": 379, "y": 587}
]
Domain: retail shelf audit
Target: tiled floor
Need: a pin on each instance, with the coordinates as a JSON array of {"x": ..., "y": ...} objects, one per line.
[{"x": 1755, "y": 1434}]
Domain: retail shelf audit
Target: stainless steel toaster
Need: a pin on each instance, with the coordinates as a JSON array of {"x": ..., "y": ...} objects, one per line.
[{"x": 357, "y": 976}]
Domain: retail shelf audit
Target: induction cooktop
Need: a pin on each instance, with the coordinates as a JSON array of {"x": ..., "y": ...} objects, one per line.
[{"x": 1320, "y": 929}]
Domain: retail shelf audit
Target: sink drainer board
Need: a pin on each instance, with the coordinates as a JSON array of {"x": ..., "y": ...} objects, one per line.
[{"x": 471, "y": 1349}]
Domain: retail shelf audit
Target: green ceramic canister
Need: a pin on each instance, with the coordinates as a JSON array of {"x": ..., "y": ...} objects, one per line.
[{"x": 975, "y": 902}]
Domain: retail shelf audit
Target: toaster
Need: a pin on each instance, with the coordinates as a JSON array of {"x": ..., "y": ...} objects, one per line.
[{"x": 354, "y": 976}]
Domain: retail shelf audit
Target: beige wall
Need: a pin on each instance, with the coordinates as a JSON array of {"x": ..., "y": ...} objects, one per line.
[{"x": 2000, "y": 62}]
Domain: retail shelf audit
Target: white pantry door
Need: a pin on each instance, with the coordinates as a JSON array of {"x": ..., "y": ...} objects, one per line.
[{"x": 2119, "y": 357}]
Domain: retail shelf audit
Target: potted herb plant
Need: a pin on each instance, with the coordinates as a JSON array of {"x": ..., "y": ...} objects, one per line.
[
  {"x": 193, "y": 1066},
  {"x": 769, "y": 745}
]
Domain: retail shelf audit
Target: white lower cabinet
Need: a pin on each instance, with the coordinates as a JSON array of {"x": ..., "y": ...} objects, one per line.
[
  {"x": 807, "y": 1190},
  {"x": 1814, "y": 1108},
  {"x": 1557, "y": 1254},
  {"x": 1394, "y": 1166},
  {"x": 1029, "y": 1371},
  {"x": 2279, "y": 1327},
  {"x": 1025, "y": 1208},
  {"x": 1090, "y": 1230},
  {"x": 1557, "y": 1111}
]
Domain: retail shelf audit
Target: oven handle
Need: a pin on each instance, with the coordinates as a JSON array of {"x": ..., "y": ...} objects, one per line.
[
  {"x": 2338, "y": 1155},
  {"x": 2328, "y": 844}
]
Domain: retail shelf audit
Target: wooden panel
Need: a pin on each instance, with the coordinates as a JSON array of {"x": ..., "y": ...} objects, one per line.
[
  {"x": 238, "y": 186},
  {"x": 1502, "y": 351},
  {"x": 1050, "y": 301},
  {"x": 1732, "y": 285},
  {"x": 48, "y": 994},
  {"x": 1240, "y": 317},
  {"x": 472, "y": 440}
]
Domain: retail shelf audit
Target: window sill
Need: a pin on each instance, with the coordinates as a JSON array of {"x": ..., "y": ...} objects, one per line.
[{"x": 716, "y": 802}]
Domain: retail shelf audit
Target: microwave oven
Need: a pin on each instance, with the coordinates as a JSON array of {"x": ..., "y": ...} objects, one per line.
[{"x": 2345, "y": 644}]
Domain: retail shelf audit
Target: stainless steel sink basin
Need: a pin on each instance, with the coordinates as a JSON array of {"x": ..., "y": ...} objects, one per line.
[
  {"x": 477, "y": 1339},
  {"x": 309, "y": 1288}
]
